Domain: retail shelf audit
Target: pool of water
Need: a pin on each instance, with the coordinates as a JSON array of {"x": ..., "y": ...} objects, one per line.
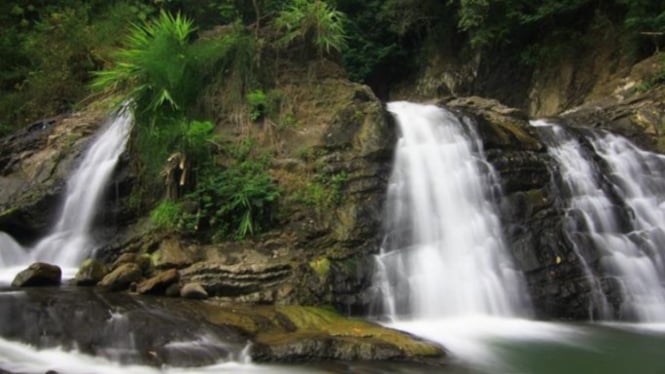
[
  {"x": 476, "y": 345},
  {"x": 493, "y": 345}
]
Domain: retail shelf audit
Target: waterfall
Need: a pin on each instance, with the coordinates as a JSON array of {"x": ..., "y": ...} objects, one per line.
[
  {"x": 11, "y": 253},
  {"x": 619, "y": 214},
  {"x": 69, "y": 241},
  {"x": 443, "y": 254},
  {"x": 579, "y": 184}
]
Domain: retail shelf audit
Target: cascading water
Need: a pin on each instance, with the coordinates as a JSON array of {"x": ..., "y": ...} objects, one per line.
[
  {"x": 444, "y": 255},
  {"x": 579, "y": 184},
  {"x": 12, "y": 253},
  {"x": 69, "y": 242},
  {"x": 622, "y": 213}
]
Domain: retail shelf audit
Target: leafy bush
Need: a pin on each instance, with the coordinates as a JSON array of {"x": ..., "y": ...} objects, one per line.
[
  {"x": 315, "y": 23},
  {"x": 258, "y": 104},
  {"x": 236, "y": 200},
  {"x": 164, "y": 71}
]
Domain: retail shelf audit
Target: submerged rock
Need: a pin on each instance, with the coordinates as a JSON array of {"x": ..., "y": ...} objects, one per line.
[{"x": 37, "y": 275}]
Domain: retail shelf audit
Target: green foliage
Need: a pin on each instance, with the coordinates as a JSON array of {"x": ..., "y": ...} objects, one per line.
[
  {"x": 166, "y": 215},
  {"x": 644, "y": 16},
  {"x": 47, "y": 49},
  {"x": 337, "y": 183},
  {"x": 315, "y": 23},
  {"x": 156, "y": 66},
  {"x": 257, "y": 101},
  {"x": 505, "y": 21},
  {"x": 234, "y": 201},
  {"x": 165, "y": 72},
  {"x": 324, "y": 192},
  {"x": 657, "y": 79}
]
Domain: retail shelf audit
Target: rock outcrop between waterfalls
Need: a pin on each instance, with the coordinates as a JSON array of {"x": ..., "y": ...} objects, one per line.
[{"x": 319, "y": 251}]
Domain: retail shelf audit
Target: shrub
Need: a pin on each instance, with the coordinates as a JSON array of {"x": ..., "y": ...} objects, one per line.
[
  {"x": 258, "y": 104},
  {"x": 236, "y": 200},
  {"x": 315, "y": 23}
]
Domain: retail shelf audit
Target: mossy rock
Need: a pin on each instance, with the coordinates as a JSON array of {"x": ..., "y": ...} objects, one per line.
[
  {"x": 321, "y": 267},
  {"x": 294, "y": 333}
]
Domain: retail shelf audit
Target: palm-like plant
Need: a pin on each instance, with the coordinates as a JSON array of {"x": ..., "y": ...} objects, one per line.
[
  {"x": 155, "y": 67},
  {"x": 313, "y": 22}
]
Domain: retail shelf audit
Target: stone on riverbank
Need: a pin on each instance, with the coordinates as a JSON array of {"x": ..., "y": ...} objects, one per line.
[
  {"x": 121, "y": 278},
  {"x": 90, "y": 273},
  {"x": 159, "y": 283}
]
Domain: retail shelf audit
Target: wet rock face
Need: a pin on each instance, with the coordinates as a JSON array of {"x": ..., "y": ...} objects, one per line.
[
  {"x": 165, "y": 331},
  {"x": 34, "y": 165},
  {"x": 36, "y": 162},
  {"x": 114, "y": 325}
]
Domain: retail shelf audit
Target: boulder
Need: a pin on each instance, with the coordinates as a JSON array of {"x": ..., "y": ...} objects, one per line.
[
  {"x": 171, "y": 254},
  {"x": 143, "y": 261},
  {"x": 159, "y": 283},
  {"x": 121, "y": 278},
  {"x": 38, "y": 274},
  {"x": 193, "y": 291},
  {"x": 90, "y": 273}
]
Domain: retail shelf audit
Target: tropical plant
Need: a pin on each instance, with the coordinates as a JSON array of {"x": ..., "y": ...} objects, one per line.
[
  {"x": 236, "y": 200},
  {"x": 315, "y": 23},
  {"x": 155, "y": 67}
]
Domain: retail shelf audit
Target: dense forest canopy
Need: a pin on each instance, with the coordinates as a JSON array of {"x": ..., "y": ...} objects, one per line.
[{"x": 50, "y": 48}]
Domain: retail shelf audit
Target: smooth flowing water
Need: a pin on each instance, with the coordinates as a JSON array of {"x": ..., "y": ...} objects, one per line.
[
  {"x": 444, "y": 273},
  {"x": 444, "y": 254},
  {"x": 69, "y": 242},
  {"x": 622, "y": 213}
]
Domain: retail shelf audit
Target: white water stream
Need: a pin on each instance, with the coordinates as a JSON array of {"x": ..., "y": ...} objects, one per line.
[
  {"x": 69, "y": 242},
  {"x": 444, "y": 272},
  {"x": 21, "y": 358},
  {"x": 630, "y": 243},
  {"x": 444, "y": 254}
]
